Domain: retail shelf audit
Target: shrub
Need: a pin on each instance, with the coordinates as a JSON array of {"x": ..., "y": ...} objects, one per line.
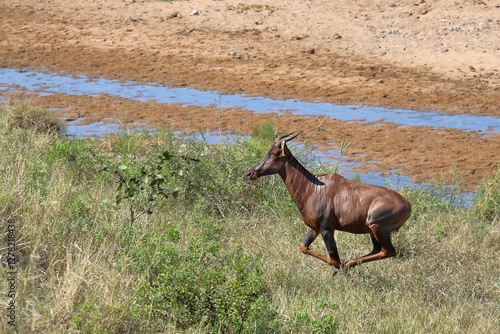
[{"x": 225, "y": 290}]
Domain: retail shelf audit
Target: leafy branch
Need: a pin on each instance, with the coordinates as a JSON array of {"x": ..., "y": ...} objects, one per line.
[{"x": 145, "y": 184}]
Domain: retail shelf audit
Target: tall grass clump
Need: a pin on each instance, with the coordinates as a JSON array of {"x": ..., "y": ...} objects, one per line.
[
  {"x": 488, "y": 198},
  {"x": 23, "y": 115},
  {"x": 141, "y": 233},
  {"x": 264, "y": 131}
]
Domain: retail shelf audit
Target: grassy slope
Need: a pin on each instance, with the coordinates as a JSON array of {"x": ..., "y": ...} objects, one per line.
[{"x": 223, "y": 254}]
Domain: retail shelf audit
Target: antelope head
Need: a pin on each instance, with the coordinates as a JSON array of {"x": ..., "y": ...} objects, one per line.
[{"x": 274, "y": 161}]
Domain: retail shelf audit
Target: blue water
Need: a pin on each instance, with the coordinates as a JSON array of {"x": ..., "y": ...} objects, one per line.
[
  {"x": 75, "y": 130},
  {"x": 51, "y": 83}
]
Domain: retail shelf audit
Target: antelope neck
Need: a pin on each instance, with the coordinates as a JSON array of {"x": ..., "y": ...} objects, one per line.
[{"x": 299, "y": 181}]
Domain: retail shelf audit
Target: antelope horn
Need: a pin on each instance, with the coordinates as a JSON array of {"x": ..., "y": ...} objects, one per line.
[
  {"x": 286, "y": 138},
  {"x": 290, "y": 138},
  {"x": 282, "y": 140},
  {"x": 279, "y": 138}
]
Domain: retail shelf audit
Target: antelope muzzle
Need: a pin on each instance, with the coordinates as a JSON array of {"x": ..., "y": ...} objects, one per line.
[{"x": 252, "y": 174}]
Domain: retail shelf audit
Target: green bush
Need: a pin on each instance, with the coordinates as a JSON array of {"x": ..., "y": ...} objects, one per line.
[
  {"x": 82, "y": 156},
  {"x": 224, "y": 290}
]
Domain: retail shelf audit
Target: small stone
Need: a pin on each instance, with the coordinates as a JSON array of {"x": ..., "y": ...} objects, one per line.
[
  {"x": 443, "y": 50},
  {"x": 195, "y": 12},
  {"x": 232, "y": 54},
  {"x": 299, "y": 37},
  {"x": 173, "y": 15},
  {"x": 382, "y": 53},
  {"x": 337, "y": 36}
]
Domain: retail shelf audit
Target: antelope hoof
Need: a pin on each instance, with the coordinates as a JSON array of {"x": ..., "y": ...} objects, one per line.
[
  {"x": 334, "y": 263},
  {"x": 349, "y": 265}
]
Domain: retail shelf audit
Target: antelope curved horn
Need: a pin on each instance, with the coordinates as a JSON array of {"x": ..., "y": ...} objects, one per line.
[
  {"x": 290, "y": 138},
  {"x": 287, "y": 137},
  {"x": 279, "y": 138}
]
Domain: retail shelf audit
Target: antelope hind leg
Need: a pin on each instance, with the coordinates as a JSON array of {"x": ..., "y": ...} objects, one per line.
[{"x": 382, "y": 248}]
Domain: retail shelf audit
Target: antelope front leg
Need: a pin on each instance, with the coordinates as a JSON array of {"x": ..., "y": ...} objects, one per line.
[
  {"x": 310, "y": 237},
  {"x": 331, "y": 246}
]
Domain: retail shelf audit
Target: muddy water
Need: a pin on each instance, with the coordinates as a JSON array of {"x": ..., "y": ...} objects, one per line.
[{"x": 51, "y": 83}]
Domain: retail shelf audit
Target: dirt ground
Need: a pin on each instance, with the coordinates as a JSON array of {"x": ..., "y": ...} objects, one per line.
[{"x": 414, "y": 54}]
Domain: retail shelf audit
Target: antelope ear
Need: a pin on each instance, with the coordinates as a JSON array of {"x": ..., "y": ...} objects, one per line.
[{"x": 282, "y": 148}]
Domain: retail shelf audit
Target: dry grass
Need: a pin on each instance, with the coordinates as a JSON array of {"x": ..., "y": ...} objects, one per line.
[{"x": 23, "y": 115}]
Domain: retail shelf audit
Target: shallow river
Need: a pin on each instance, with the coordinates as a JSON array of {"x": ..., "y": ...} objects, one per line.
[{"x": 50, "y": 83}]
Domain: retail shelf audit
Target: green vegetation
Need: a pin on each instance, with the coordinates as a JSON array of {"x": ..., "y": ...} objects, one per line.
[
  {"x": 265, "y": 131},
  {"x": 147, "y": 234}
]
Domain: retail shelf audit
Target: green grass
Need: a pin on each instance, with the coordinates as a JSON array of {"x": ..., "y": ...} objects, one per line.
[
  {"x": 222, "y": 255},
  {"x": 264, "y": 131}
]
